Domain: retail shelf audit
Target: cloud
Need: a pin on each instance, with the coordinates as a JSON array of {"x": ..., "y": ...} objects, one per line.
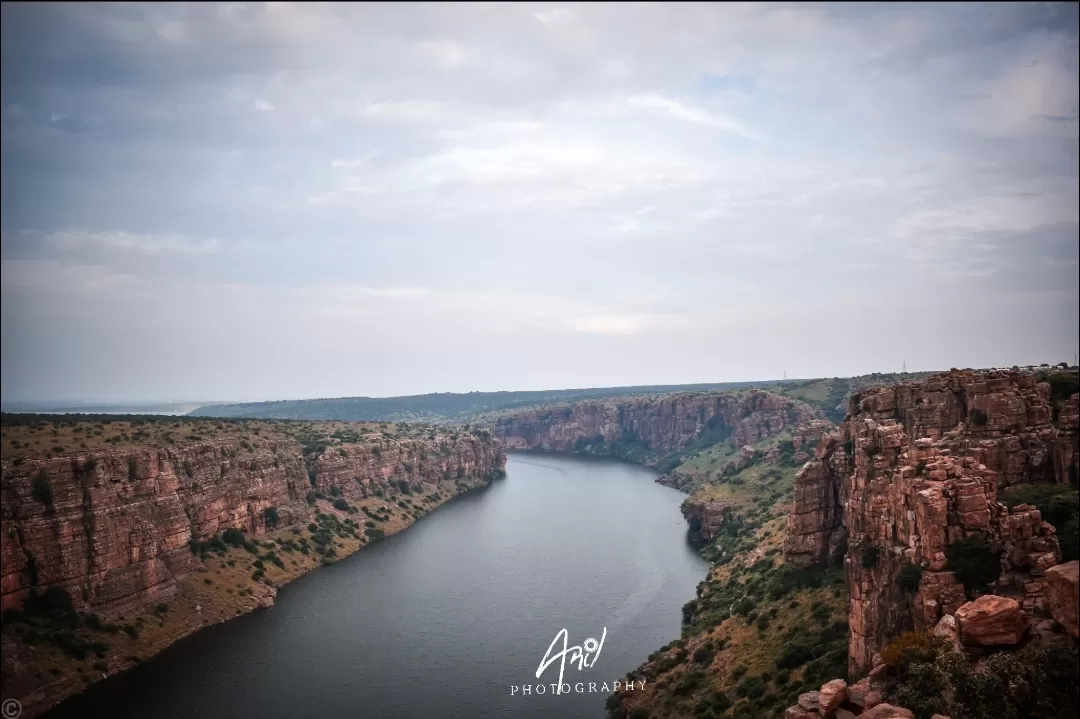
[
  {"x": 170, "y": 243},
  {"x": 550, "y": 185},
  {"x": 690, "y": 114}
]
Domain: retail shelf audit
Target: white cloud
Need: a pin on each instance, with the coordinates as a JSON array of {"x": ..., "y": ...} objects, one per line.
[
  {"x": 263, "y": 105},
  {"x": 444, "y": 54},
  {"x": 691, "y": 114},
  {"x": 406, "y": 111},
  {"x": 120, "y": 241}
]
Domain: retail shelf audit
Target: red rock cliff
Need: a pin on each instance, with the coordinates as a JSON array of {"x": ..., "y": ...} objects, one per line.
[
  {"x": 917, "y": 466},
  {"x": 115, "y": 531},
  {"x": 663, "y": 423}
]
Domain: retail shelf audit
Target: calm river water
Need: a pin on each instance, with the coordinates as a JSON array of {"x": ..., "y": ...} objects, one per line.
[{"x": 441, "y": 620}]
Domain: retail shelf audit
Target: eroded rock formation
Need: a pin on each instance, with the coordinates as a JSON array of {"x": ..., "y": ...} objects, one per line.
[
  {"x": 914, "y": 468},
  {"x": 113, "y": 527},
  {"x": 663, "y": 423}
]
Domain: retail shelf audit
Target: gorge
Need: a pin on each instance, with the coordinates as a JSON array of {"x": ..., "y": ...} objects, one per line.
[{"x": 827, "y": 542}]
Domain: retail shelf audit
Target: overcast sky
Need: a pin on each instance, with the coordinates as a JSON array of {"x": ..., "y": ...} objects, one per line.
[{"x": 247, "y": 201}]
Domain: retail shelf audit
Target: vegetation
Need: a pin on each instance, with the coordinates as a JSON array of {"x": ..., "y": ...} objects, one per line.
[
  {"x": 439, "y": 407},
  {"x": 50, "y": 618},
  {"x": 975, "y": 563},
  {"x": 925, "y": 674}
]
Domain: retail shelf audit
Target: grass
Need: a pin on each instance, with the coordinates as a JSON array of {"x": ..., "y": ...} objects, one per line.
[{"x": 24, "y": 436}]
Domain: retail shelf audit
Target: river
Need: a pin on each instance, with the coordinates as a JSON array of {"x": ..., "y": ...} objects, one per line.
[{"x": 441, "y": 620}]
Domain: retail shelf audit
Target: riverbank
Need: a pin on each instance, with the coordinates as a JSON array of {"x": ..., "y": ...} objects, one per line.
[{"x": 227, "y": 584}]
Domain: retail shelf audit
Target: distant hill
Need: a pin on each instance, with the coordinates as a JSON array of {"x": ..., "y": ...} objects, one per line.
[{"x": 440, "y": 407}]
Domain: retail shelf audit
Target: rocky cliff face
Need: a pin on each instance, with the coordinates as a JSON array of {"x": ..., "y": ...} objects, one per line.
[
  {"x": 113, "y": 527},
  {"x": 916, "y": 467},
  {"x": 663, "y": 423},
  {"x": 357, "y": 469}
]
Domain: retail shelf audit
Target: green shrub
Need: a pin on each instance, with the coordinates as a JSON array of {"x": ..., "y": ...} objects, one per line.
[
  {"x": 270, "y": 515},
  {"x": 341, "y": 504},
  {"x": 909, "y": 578},
  {"x": 41, "y": 489},
  {"x": 974, "y": 562},
  {"x": 233, "y": 537},
  {"x": 978, "y": 417}
]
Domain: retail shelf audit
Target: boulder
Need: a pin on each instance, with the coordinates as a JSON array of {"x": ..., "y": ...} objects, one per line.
[
  {"x": 832, "y": 695},
  {"x": 844, "y": 714},
  {"x": 809, "y": 701},
  {"x": 946, "y": 628},
  {"x": 990, "y": 621},
  {"x": 1061, "y": 594},
  {"x": 861, "y": 696},
  {"x": 887, "y": 711},
  {"x": 797, "y": 712}
]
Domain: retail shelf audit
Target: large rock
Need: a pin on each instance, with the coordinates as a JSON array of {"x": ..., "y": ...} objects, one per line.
[
  {"x": 887, "y": 711},
  {"x": 810, "y": 700},
  {"x": 862, "y": 695},
  {"x": 832, "y": 695},
  {"x": 1061, "y": 594},
  {"x": 990, "y": 621},
  {"x": 946, "y": 629}
]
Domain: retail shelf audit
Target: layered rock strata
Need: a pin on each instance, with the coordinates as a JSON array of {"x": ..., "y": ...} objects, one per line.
[
  {"x": 913, "y": 469},
  {"x": 113, "y": 527},
  {"x": 663, "y": 423}
]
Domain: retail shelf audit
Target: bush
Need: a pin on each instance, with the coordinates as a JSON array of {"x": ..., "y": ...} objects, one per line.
[
  {"x": 1037, "y": 682},
  {"x": 341, "y": 504},
  {"x": 233, "y": 537},
  {"x": 978, "y": 417},
  {"x": 41, "y": 489},
  {"x": 911, "y": 648},
  {"x": 974, "y": 562},
  {"x": 270, "y": 515},
  {"x": 702, "y": 654},
  {"x": 909, "y": 578}
]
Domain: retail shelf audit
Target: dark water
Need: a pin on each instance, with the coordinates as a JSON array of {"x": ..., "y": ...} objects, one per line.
[{"x": 442, "y": 619}]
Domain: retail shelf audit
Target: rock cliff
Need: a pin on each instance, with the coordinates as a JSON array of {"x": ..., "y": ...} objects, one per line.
[
  {"x": 113, "y": 526},
  {"x": 663, "y": 423},
  {"x": 917, "y": 467}
]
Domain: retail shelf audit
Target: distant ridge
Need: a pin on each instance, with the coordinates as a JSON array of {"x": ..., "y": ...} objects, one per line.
[{"x": 441, "y": 406}]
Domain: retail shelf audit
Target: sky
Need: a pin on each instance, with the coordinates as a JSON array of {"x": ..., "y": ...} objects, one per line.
[{"x": 248, "y": 201}]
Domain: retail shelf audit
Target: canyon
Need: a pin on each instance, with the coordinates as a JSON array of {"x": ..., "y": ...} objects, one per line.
[
  {"x": 121, "y": 530},
  {"x": 839, "y": 535}
]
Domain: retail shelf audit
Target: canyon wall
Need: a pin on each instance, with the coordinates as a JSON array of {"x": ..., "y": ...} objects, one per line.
[
  {"x": 113, "y": 527},
  {"x": 664, "y": 423},
  {"x": 357, "y": 469},
  {"x": 918, "y": 466}
]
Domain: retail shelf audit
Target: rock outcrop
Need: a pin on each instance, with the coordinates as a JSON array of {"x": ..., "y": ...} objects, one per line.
[
  {"x": 703, "y": 518},
  {"x": 1063, "y": 595},
  {"x": 355, "y": 470},
  {"x": 916, "y": 467},
  {"x": 662, "y": 423},
  {"x": 113, "y": 527},
  {"x": 990, "y": 621}
]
